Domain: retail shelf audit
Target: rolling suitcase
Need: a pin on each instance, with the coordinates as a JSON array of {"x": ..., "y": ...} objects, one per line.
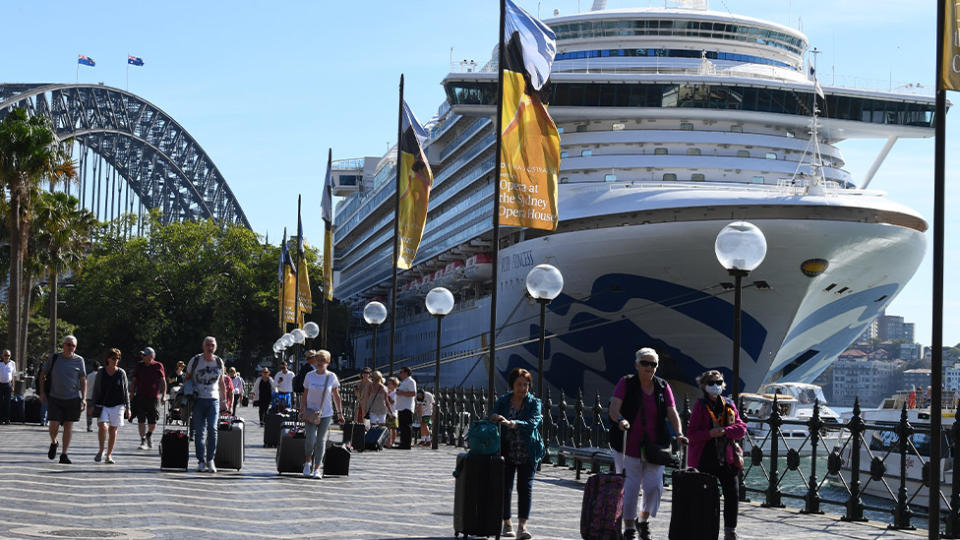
[
  {"x": 32, "y": 410},
  {"x": 695, "y": 508},
  {"x": 291, "y": 453},
  {"x": 271, "y": 429},
  {"x": 376, "y": 438},
  {"x": 174, "y": 449},
  {"x": 230, "y": 439},
  {"x": 17, "y": 413},
  {"x": 478, "y": 496},
  {"x": 336, "y": 461},
  {"x": 601, "y": 514},
  {"x": 354, "y": 435}
]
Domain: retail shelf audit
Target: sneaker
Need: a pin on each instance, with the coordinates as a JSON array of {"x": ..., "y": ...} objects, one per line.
[
  {"x": 522, "y": 534},
  {"x": 317, "y": 474},
  {"x": 52, "y": 452},
  {"x": 201, "y": 467},
  {"x": 211, "y": 466},
  {"x": 98, "y": 457},
  {"x": 306, "y": 470},
  {"x": 507, "y": 530},
  {"x": 630, "y": 534},
  {"x": 109, "y": 460},
  {"x": 644, "y": 529},
  {"x": 149, "y": 442},
  {"x": 143, "y": 445},
  {"x": 729, "y": 534},
  {"x": 64, "y": 459}
]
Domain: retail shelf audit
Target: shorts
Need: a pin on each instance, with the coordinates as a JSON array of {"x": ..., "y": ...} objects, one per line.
[
  {"x": 147, "y": 409},
  {"x": 112, "y": 415},
  {"x": 63, "y": 410},
  {"x": 378, "y": 419},
  {"x": 425, "y": 420}
]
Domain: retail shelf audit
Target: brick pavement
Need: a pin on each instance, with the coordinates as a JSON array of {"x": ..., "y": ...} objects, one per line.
[{"x": 390, "y": 494}]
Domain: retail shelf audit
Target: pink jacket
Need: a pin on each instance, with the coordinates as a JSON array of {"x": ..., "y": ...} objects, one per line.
[{"x": 698, "y": 430}]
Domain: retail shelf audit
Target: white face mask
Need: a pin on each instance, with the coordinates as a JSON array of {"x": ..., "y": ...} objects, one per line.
[{"x": 714, "y": 389}]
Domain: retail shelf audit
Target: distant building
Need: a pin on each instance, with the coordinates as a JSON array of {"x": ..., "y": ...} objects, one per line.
[
  {"x": 855, "y": 376},
  {"x": 951, "y": 377},
  {"x": 915, "y": 378},
  {"x": 910, "y": 352},
  {"x": 892, "y": 327}
]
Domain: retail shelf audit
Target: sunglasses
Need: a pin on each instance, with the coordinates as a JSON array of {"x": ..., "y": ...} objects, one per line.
[
  {"x": 708, "y": 383},
  {"x": 645, "y": 363}
]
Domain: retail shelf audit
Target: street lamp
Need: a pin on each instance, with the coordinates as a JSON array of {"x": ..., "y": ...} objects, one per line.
[
  {"x": 311, "y": 329},
  {"x": 374, "y": 313},
  {"x": 298, "y": 338},
  {"x": 740, "y": 248},
  {"x": 439, "y": 303},
  {"x": 544, "y": 282}
]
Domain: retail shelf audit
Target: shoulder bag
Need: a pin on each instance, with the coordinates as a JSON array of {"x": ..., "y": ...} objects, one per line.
[
  {"x": 653, "y": 452},
  {"x": 189, "y": 387},
  {"x": 48, "y": 379}
]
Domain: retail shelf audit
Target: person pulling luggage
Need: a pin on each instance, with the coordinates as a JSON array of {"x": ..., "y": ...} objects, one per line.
[
  {"x": 644, "y": 402},
  {"x": 321, "y": 405},
  {"x": 518, "y": 414},
  {"x": 715, "y": 427}
]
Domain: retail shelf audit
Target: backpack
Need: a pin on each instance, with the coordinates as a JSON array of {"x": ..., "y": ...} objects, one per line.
[{"x": 483, "y": 438}]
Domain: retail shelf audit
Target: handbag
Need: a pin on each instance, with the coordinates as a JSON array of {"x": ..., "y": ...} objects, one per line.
[
  {"x": 734, "y": 456},
  {"x": 189, "y": 387},
  {"x": 48, "y": 379},
  {"x": 653, "y": 452}
]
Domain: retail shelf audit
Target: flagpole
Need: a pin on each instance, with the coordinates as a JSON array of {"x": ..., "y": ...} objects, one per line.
[
  {"x": 283, "y": 285},
  {"x": 936, "y": 367},
  {"x": 491, "y": 388},
  {"x": 296, "y": 293},
  {"x": 128, "y": 72},
  {"x": 396, "y": 230},
  {"x": 326, "y": 238}
]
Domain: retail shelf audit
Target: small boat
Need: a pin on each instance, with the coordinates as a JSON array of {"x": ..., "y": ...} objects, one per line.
[{"x": 756, "y": 409}]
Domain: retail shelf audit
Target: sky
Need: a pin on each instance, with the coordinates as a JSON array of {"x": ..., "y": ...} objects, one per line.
[{"x": 267, "y": 87}]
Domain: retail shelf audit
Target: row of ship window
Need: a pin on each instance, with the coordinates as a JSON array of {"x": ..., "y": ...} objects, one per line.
[
  {"x": 661, "y": 151},
  {"x": 670, "y": 53},
  {"x": 709, "y": 96}
]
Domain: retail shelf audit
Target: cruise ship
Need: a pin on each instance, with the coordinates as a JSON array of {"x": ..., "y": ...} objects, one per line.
[{"x": 674, "y": 122}]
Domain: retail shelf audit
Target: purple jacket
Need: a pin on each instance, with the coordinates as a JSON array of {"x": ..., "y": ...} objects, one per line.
[{"x": 698, "y": 430}]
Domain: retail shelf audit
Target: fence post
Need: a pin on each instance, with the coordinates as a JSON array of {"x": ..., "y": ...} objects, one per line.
[
  {"x": 773, "y": 499},
  {"x": 547, "y": 425},
  {"x": 812, "y": 497},
  {"x": 578, "y": 421},
  {"x": 462, "y": 428},
  {"x": 685, "y": 423},
  {"x": 562, "y": 428},
  {"x": 856, "y": 428},
  {"x": 902, "y": 513},
  {"x": 597, "y": 421},
  {"x": 953, "y": 518}
]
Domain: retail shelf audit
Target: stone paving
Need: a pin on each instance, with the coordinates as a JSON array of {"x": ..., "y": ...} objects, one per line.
[{"x": 389, "y": 494}]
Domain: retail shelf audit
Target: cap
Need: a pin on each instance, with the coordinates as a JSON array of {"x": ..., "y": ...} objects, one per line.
[
  {"x": 312, "y": 353},
  {"x": 148, "y": 351}
]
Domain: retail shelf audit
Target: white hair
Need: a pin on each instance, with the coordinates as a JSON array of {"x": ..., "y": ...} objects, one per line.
[
  {"x": 646, "y": 352},
  {"x": 70, "y": 337}
]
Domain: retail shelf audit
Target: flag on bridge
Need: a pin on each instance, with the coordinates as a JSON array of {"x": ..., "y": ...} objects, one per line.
[
  {"x": 134, "y": 60},
  {"x": 415, "y": 179},
  {"x": 530, "y": 142},
  {"x": 86, "y": 61}
]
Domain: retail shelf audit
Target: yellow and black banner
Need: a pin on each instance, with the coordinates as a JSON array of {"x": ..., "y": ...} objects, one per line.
[
  {"x": 416, "y": 178},
  {"x": 530, "y": 146},
  {"x": 950, "y": 71},
  {"x": 328, "y": 261}
]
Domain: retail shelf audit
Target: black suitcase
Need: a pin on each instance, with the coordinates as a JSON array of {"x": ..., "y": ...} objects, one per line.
[
  {"x": 695, "y": 506},
  {"x": 376, "y": 438},
  {"x": 32, "y": 410},
  {"x": 478, "y": 496},
  {"x": 230, "y": 443},
  {"x": 17, "y": 409},
  {"x": 354, "y": 435},
  {"x": 271, "y": 429},
  {"x": 174, "y": 449},
  {"x": 336, "y": 461},
  {"x": 291, "y": 452}
]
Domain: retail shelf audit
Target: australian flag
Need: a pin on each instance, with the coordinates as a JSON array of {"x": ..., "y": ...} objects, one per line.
[
  {"x": 86, "y": 61},
  {"x": 134, "y": 60}
]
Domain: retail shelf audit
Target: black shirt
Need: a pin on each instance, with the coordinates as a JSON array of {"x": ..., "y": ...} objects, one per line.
[{"x": 111, "y": 389}]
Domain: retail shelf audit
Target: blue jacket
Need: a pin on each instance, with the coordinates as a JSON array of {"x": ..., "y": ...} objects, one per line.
[{"x": 528, "y": 424}]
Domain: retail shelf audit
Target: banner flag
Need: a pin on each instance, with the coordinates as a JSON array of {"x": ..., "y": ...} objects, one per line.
[
  {"x": 530, "y": 142},
  {"x": 304, "y": 297},
  {"x": 326, "y": 206},
  {"x": 416, "y": 178},
  {"x": 950, "y": 71},
  {"x": 86, "y": 61},
  {"x": 134, "y": 60}
]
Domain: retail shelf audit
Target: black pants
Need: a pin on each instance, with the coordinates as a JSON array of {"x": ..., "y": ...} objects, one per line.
[
  {"x": 236, "y": 403},
  {"x": 405, "y": 418},
  {"x": 6, "y": 390},
  {"x": 264, "y": 405},
  {"x": 729, "y": 483}
]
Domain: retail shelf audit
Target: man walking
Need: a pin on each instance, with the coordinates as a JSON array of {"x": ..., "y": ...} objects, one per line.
[
  {"x": 284, "y": 387},
  {"x": 8, "y": 371},
  {"x": 263, "y": 393},
  {"x": 206, "y": 370},
  {"x": 67, "y": 375},
  {"x": 149, "y": 391},
  {"x": 406, "y": 393}
]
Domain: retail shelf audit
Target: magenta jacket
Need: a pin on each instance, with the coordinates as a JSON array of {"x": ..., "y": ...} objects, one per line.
[{"x": 698, "y": 430}]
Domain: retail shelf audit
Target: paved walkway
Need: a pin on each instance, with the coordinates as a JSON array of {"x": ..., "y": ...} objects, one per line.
[{"x": 389, "y": 494}]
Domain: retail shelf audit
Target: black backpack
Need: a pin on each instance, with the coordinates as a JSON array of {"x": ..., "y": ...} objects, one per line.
[{"x": 298, "y": 380}]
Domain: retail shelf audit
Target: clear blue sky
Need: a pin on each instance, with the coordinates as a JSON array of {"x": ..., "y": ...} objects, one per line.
[{"x": 267, "y": 87}]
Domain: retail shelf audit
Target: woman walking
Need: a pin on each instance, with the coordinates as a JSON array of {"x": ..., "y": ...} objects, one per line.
[
  {"x": 715, "y": 427},
  {"x": 321, "y": 404},
  {"x": 263, "y": 393},
  {"x": 644, "y": 402},
  {"x": 112, "y": 404},
  {"x": 238, "y": 389},
  {"x": 518, "y": 414},
  {"x": 377, "y": 405}
]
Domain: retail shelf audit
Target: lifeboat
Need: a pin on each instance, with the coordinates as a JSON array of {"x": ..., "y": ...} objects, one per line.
[
  {"x": 478, "y": 268},
  {"x": 449, "y": 275}
]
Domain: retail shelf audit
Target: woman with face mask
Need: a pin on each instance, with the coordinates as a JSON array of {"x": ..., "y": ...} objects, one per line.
[{"x": 714, "y": 429}]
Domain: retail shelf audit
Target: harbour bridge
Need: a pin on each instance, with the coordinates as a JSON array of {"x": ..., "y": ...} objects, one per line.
[{"x": 132, "y": 157}]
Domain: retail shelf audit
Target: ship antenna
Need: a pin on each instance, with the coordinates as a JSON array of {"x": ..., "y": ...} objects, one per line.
[{"x": 819, "y": 181}]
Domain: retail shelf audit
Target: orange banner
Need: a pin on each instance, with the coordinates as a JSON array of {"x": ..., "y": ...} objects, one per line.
[{"x": 950, "y": 72}]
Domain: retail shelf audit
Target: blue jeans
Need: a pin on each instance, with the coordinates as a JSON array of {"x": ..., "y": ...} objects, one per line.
[
  {"x": 524, "y": 474},
  {"x": 316, "y": 442},
  {"x": 205, "y": 414}
]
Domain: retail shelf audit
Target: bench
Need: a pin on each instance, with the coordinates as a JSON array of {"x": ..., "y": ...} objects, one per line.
[{"x": 591, "y": 455}]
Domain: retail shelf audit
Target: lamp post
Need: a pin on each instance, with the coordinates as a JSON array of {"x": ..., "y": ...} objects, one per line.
[
  {"x": 740, "y": 248},
  {"x": 286, "y": 341},
  {"x": 311, "y": 329},
  {"x": 374, "y": 313},
  {"x": 544, "y": 282},
  {"x": 439, "y": 303},
  {"x": 298, "y": 338}
]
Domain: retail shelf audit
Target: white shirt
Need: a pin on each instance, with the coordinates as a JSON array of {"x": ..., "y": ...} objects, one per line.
[
  {"x": 406, "y": 402},
  {"x": 237, "y": 385},
  {"x": 426, "y": 406},
  {"x": 8, "y": 371},
  {"x": 320, "y": 387},
  {"x": 284, "y": 382}
]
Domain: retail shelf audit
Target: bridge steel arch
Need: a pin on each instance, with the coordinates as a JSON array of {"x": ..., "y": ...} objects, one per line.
[{"x": 161, "y": 163}]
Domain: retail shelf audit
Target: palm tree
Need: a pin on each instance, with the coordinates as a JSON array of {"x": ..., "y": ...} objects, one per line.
[
  {"x": 64, "y": 229},
  {"x": 29, "y": 153}
]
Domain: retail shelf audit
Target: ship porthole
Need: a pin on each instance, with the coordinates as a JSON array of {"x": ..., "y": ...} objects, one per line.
[{"x": 814, "y": 267}]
